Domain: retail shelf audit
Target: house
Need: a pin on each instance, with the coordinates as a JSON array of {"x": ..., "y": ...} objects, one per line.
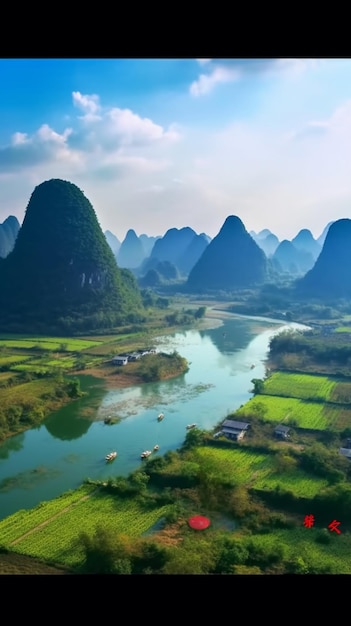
[
  {"x": 234, "y": 430},
  {"x": 345, "y": 452},
  {"x": 134, "y": 356},
  {"x": 120, "y": 360},
  {"x": 282, "y": 431}
]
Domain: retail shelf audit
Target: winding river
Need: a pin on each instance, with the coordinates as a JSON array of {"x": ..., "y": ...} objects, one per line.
[{"x": 71, "y": 444}]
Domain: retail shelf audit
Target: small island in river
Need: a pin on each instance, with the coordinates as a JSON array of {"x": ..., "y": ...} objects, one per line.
[{"x": 150, "y": 367}]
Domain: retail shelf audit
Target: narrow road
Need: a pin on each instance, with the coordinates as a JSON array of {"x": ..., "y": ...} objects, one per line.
[{"x": 50, "y": 519}]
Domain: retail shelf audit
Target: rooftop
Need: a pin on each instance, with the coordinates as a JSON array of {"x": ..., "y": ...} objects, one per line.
[{"x": 235, "y": 425}]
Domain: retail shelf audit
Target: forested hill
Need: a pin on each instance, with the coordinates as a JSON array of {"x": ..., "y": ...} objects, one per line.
[
  {"x": 62, "y": 275},
  {"x": 231, "y": 260}
]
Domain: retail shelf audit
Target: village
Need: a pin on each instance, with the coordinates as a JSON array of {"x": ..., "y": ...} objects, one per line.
[{"x": 127, "y": 357}]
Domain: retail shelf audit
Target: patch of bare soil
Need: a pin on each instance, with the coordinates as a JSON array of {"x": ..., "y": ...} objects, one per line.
[
  {"x": 171, "y": 535},
  {"x": 19, "y": 564},
  {"x": 112, "y": 379}
]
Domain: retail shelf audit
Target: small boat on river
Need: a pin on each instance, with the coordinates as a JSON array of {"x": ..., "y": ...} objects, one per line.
[
  {"x": 145, "y": 454},
  {"x": 160, "y": 417},
  {"x": 156, "y": 447},
  {"x": 189, "y": 426},
  {"x": 111, "y": 456}
]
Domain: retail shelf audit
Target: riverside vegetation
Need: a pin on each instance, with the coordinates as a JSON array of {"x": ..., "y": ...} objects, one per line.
[
  {"x": 256, "y": 492},
  {"x": 37, "y": 373}
]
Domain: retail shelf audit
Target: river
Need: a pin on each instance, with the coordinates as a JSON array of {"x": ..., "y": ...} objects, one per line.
[{"x": 71, "y": 444}]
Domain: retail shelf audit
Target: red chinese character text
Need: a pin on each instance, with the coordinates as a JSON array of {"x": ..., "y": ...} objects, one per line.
[
  {"x": 308, "y": 521},
  {"x": 334, "y": 526}
]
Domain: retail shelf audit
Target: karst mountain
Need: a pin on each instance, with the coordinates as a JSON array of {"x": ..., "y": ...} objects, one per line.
[
  {"x": 330, "y": 276},
  {"x": 231, "y": 260},
  {"x": 61, "y": 275}
]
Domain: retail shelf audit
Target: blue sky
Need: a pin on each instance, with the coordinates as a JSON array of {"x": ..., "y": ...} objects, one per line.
[{"x": 163, "y": 143}]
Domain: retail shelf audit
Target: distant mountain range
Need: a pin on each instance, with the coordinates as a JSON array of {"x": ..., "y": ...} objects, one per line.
[{"x": 235, "y": 258}]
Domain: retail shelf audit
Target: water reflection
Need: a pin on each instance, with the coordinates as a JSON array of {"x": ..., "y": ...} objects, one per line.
[
  {"x": 74, "y": 420},
  {"x": 66, "y": 426},
  {"x": 13, "y": 444},
  {"x": 231, "y": 337}
]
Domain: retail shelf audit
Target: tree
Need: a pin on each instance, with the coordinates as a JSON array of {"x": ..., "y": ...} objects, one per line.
[
  {"x": 73, "y": 388},
  {"x": 200, "y": 312},
  {"x": 258, "y": 385},
  {"x": 105, "y": 552}
]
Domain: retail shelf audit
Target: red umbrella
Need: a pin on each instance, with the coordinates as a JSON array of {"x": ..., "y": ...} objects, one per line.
[{"x": 199, "y": 522}]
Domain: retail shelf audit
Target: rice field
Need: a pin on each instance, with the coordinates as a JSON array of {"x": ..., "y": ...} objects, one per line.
[
  {"x": 302, "y": 386},
  {"x": 257, "y": 470},
  {"x": 54, "y": 526}
]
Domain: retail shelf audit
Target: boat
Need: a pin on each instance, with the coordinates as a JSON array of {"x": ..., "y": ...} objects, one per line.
[
  {"x": 156, "y": 447},
  {"x": 252, "y": 366},
  {"x": 145, "y": 454},
  {"x": 189, "y": 426},
  {"x": 160, "y": 417},
  {"x": 110, "y": 456}
]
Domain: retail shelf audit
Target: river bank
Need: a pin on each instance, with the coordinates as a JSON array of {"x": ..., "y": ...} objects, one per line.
[{"x": 115, "y": 378}]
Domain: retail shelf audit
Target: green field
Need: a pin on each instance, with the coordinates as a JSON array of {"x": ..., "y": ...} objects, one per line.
[
  {"x": 312, "y": 415},
  {"x": 67, "y": 517},
  {"x": 48, "y": 343},
  {"x": 301, "y": 542},
  {"x": 343, "y": 329},
  {"x": 43, "y": 365},
  {"x": 257, "y": 470},
  {"x": 302, "y": 386},
  {"x": 25, "y": 392},
  {"x": 8, "y": 361}
]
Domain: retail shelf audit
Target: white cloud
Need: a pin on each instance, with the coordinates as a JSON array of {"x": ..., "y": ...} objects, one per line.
[
  {"x": 19, "y": 138},
  {"x": 206, "y": 82},
  {"x": 131, "y": 129},
  {"x": 203, "y": 61},
  {"x": 89, "y": 104},
  {"x": 104, "y": 142}
]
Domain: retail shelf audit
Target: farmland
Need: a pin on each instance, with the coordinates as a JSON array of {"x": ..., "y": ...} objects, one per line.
[
  {"x": 302, "y": 386},
  {"x": 47, "y": 343},
  {"x": 289, "y": 411},
  {"x": 307, "y": 387},
  {"x": 303, "y": 543},
  {"x": 56, "y": 525},
  {"x": 294, "y": 412},
  {"x": 256, "y": 470}
]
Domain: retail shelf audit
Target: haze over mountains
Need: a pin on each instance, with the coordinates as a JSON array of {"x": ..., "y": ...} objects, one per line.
[
  {"x": 331, "y": 273},
  {"x": 60, "y": 269},
  {"x": 8, "y": 234}
]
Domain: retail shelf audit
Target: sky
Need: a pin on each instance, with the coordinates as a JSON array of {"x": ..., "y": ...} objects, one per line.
[{"x": 156, "y": 144}]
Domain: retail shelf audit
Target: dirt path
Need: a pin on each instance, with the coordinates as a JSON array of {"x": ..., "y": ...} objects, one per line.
[{"x": 67, "y": 508}]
